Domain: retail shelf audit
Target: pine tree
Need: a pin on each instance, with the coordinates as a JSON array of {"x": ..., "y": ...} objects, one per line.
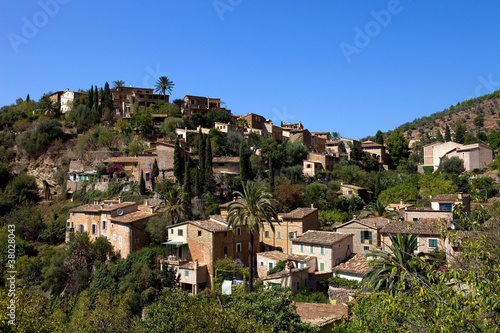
[
  {"x": 142, "y": 184},
  {"x": 271, "y": 175},
  {"x": 447, "y": 134},
  {"x": 208, "y": 165},
  {"x": 439, "y": 136},
  {"x": 177, "y": 162}
]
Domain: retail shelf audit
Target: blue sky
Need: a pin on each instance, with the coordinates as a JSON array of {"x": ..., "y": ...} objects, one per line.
[{"x": 348, "y": 66}]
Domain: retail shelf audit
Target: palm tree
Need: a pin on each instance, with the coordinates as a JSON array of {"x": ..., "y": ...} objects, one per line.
[
  {"x": 395, "y": 269},
  {"x": 174, "y": 204},
  {"x": 119, "y": 83},
  {"x": 378, "y": 209},
  {"x": 241, "y": 124},
  {"x": 252, "y": 208},
  {"x": 164, "y": 84}
]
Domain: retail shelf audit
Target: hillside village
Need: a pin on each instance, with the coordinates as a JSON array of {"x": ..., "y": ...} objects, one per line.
[{"x": 121, "y": 187}]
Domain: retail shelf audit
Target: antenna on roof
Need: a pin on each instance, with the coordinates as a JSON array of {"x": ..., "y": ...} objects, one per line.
[{"x": 119, "y": 211}]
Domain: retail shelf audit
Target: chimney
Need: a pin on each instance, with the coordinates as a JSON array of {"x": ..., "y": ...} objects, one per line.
[
  {"x": 102, "y": 206},
  {"x": 67, "y": 89},
  {"x": 196, "y": 264},
  {"x": 234, "y": 198},
  {"x": 312, "y": 205},
  {"x": 152, "y": 210},
  {"x": 460, "y": 195},
  {"x": 146, "y": 203},
  {"x": 401, "y": 202},
  {"x": 355, "y": 217},
  {"x": 119, "y": 199}
]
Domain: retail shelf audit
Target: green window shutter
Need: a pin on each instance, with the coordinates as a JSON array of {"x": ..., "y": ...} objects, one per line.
[
  {"x": 362, "y": 237},
  {"x": 312, "y": 249},
  {"x": 322, "y": 250},
  {"x": 322, "y": 266},
  {"x": 301, "y": 247},
  {"x": 370, "y": 237}
]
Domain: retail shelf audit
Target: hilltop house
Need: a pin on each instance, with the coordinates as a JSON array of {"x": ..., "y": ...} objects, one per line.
[
  {"x": 66, "y": 98},
  {"x": 475, "y": 156},
  {"x": 122, "y": 223},
  {"x": 316, "y": 162},
  {"x": 198, "y": 104},
  {"x": 441, "y": 207},
  {"x": 125, "y": 97}
]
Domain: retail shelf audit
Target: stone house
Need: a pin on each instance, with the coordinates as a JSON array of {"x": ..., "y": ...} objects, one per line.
[
  {"x": 206, "y": 241},
  {"x": 296, "y": 279},
  {"x": 366, "y": 233},
  {"x": 349, "y": 191},
  {"x": 125, "y": 97},
  {"x": 122, "y": 223},
  {"x": 428, "y": 232},
  {"x": 475, "y": 156},
  {"x": 198, "y": 104},
  {"x": 353, "y": 268},
  {"x": 316, "y": 162},
  {"x": 66, "y": 98},
  {"x": 329, "y": 248},
  {"x": 291, "y": 226},
  {"x": 268, "y": 260},
  {"x": 376, "y": 150}
]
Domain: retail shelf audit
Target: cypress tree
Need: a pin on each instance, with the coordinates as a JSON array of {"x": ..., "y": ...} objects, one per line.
[
  {"x": 208, "y": 165},
  {"x": 155, "y": 172},
  {"x": 177, "y": 162},
  {"x": 96, "y": 98},
  {"x": 108, "y": 103},
  {"x": 243, "y": 164},
  {"x": 271, "y": 174},
  {"x": 187, "y": 182},
  {"x": 91, "y": 97},
  {"x": 201, "y": 158},
  {"x": 142, "y": 184},
  {"x": 28, "y": 98},
  {"x": 447, "y": 133},
  {"x": 197, "y": 188},
  {"x": 439, "y": 136}
]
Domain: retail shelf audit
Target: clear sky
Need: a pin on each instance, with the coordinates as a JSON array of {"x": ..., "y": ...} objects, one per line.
[{"x": 348, "y": 66}]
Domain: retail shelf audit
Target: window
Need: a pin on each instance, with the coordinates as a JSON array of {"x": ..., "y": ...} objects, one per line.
[
  {"x": 92, "y": 215},
  {"x": 238, "y": 231},
  {"x": 104, "y": 225},
  {"x": 186, "y": 273},
  {"x": 114, "y": 237},
  {"x": 349, "y": 192},
  {"x": 291, "y": 235},
  {"x": 445, "y": 207},
  {"x": 137, "y": 240},
  {"x": 433, "y": 243},
  {"x": 225, "y": 250},
  {"x": 78, "y": 214},
  {"x": 199, "y": 233},
  {"x": 144, "y": 226},
  {"x": 93, "y": 229},
  {"x": 415, "y": 219},
  {"x": 322, "y": 249},
  {"x": 366, "y": 249},
  {"x": 86, "y": 216},
  {"x": 124, "y": 228},
  {"x": 301, "y": 247},
  {"x": 238, "y": 247},
  {"x": 179, "y": 232},
  {"x": 366, "y": 235},
  {"x": 321, "y": 266},
  {"x": 270, "y": 265},
  {"x": 311, "y": 249},
  {"x": 298, "y": 285},
  {"x": 171, "y": 231},
  {"x": 278, "y": 235},
  {"x": 266, "y": 234},
  {"x": 80, "y": 228},
  {"x": 302, "y": 265},
  {"x": 262, "y": 263},
  {"x": 162, "y": 165},
  {"x": 120, "y": 239}
]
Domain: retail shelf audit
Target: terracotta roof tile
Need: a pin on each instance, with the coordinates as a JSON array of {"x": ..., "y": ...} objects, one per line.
[
  {"x": 122, "y": 159},
  {"x": 320, "y": 237},
  {"x": 355, "y": 264},
  {"x": 319, "y": 314},
  {"x": 286, "y": 272},
  {"x": 131, "y": 217},
  {"x": 420, "y": 227},
  {"x": 278, "y": 255},
  {"x": 210, "y": 225},
  {"x": 299, "y": 213},
  {"x": 97, "y": 208}
]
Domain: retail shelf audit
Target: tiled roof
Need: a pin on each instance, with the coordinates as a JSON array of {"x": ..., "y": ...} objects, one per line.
[
  {"x": 286, "y": 272},
  {"x": 97, "y": 208},
  {"x": 448, "y": 198},
  {"x": 122, "y": 159},
  {"x": 356, "y": 264},
  {"x": 375, "y": 222},
  {"x": 320, "y": 237},
  {"x": 420, "y": 227},
  {"x": 278, "y": 255},
  {"x": 299, "y": 213},
  {"x": 219, "y": 218},
  {"x": 226, "y": 204},
  {"x": 367, "y": 144},
  {"x": 225, "y": 159},
  {"x": 352, "y": 186},
  {"x": 341, "y": 295},
  {"x": 131, "y": 217},
  {"x": 210, "y": 225},
  {"x": 319, "y": 314}
]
